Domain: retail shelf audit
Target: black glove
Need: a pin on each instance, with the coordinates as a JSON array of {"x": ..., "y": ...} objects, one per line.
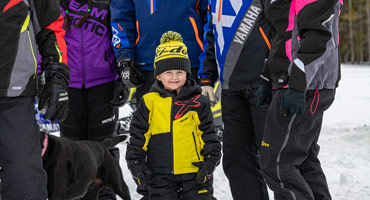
[
  {"x": 54, "y": 95},
  {"x": 263, "y": 95},
  {"x": 121, "y": 94},
  {"x": 131, "y": 76},
  {"x": 293, "y": 102},
  {"x": 137, "y": 170},
  {"x": 206, "y": 168}
]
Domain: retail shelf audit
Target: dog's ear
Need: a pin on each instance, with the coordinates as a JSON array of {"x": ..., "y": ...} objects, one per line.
[{"x": 111, "y": 142}]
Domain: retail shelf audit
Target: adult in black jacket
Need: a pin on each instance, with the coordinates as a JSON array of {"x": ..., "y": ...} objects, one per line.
[
  {"x": 24, "y": 26},
  {"x": 235, "y": 52}
]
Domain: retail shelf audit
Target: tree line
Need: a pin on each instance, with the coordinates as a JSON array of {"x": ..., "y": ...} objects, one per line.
[{"x": 354, "y": 28}]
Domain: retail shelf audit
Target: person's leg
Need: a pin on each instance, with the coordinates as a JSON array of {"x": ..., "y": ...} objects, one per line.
[
  {"x": 162, "y": 187},
  {"x": 240, "y": 156},
  {"x": 22, "y": 174},
  {"x": 101, "y": 116},
  {"x": 74, "y": 126},
  {"x": 312, "y": 172},
  {"x": 190, "y": 190},
  {"x": 259, "y": 118},
  {"x": 101, "y": 122},
  {"x": 286, "y": 145},
  {"x": 311, "y": 168}
]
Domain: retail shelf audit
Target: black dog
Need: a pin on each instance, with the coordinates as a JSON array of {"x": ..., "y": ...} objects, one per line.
[{"x": 79, "y": 169}]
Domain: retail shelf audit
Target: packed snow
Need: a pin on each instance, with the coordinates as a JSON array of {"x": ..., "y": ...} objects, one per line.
[{"x": 344, "y": 141}]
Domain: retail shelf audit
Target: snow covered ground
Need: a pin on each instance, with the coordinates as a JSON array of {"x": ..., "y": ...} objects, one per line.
[{"x": 344, "y": 141}]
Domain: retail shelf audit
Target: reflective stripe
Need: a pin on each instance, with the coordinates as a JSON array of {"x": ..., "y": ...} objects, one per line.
[
  {"x": 25, "y": 24},
  {"x": 219, "y": 11},
  {"x": 151, "y": 7},
  {"x": 299, "y": 64},
  {"x": 196, "y": 32},
  {"x": 33, "y": 54},
  {"x": 265, "y": 38},
  {"x": 196, "y": 7},
  {"x": 279, "y": 154},
  {"x": 138, "y": 32},
  {"x": 60, "y": 55}
]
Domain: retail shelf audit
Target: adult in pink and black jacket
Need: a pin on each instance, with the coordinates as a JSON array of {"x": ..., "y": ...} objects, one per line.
[{"x": 303, "y": 70}]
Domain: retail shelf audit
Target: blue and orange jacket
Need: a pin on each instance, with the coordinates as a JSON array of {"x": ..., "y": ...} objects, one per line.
[
  {"x": 305, "y": 45},
  {"x": 173, "y": 131},
  {"x": 236, "y": 44},
  {"x": 24, "y": 26},
  {"x": 137, "y": 26}
]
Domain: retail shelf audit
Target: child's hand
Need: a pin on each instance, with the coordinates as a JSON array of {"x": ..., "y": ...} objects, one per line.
[
  {"x": 207, "y": 167},
  {"x": 137, "y": 172},
  {"x": 203, "y": 174}
]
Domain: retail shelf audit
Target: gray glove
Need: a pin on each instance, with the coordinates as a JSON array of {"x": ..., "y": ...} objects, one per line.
[{"x": 208, "y": 91}]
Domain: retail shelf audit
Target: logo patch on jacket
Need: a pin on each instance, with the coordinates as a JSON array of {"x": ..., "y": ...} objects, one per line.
[{"x": 185, "y": 105}]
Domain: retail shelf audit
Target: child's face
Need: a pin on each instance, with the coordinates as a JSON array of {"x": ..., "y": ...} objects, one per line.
[{"x": 172, "y": 79}]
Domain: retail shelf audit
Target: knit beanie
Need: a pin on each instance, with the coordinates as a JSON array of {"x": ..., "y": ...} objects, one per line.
[{"x": 171, "y": 54}]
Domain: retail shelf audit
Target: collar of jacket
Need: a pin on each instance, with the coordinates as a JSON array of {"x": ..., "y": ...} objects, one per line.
[{"x": 190, "y": 89}]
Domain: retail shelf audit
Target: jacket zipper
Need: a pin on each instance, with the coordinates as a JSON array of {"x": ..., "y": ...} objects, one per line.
[
  {"x": 33, "y": 54},
  {"x": 195, "y": 143},
  {"x": 171, "y": 142},
  {"x": 83, "y": 59}
]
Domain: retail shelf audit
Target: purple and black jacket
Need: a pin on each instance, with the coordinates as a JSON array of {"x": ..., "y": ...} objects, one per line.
[{"x": 90, "y": 54}]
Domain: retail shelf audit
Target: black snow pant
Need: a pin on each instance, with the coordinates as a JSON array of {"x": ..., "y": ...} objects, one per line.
[
  {"x": 22, "y": 174},
  {"x": 243, "y": 129},
  {"x": 176, "y": 187},
  {"x": 289, "y": 152},
  {"x": 91, "y": 117}
]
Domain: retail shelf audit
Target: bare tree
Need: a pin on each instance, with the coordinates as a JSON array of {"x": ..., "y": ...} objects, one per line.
[
  {"x": 368, "y": 29},
  {"x": 350, "y": 26},
  {"x": 361, "y": 31}
]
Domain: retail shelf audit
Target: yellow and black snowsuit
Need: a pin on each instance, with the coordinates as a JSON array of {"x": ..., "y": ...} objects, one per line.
[{"x": 172, "y": 131}]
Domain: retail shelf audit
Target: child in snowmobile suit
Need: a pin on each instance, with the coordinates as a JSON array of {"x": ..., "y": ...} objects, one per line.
[
  {"x": 94, "y": 91},
  {"x": 303, "y": 69},
  {"x": 235, "y": 52},
  {"x": 24, "y": 26},
  {"x": 173, "y": 147}
]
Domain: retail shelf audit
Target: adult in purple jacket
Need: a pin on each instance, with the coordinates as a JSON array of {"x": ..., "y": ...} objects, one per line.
[{"x": 93, "y": 87}]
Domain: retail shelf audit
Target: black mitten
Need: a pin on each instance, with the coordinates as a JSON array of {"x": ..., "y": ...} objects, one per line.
[
  {"x": 121, "y": 94},
  {"x": 293, "y": 102},
  {"x": 131, "y": 76},
  {"x": 263, "y": 95},
  {"x": 137, "y": 170},
  {"x": 206, "y": 168},
  {"x": 54, "y": 95}
]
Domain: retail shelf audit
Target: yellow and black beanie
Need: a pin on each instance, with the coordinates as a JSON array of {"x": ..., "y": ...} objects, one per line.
[{"x": 171, "y": 54}]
